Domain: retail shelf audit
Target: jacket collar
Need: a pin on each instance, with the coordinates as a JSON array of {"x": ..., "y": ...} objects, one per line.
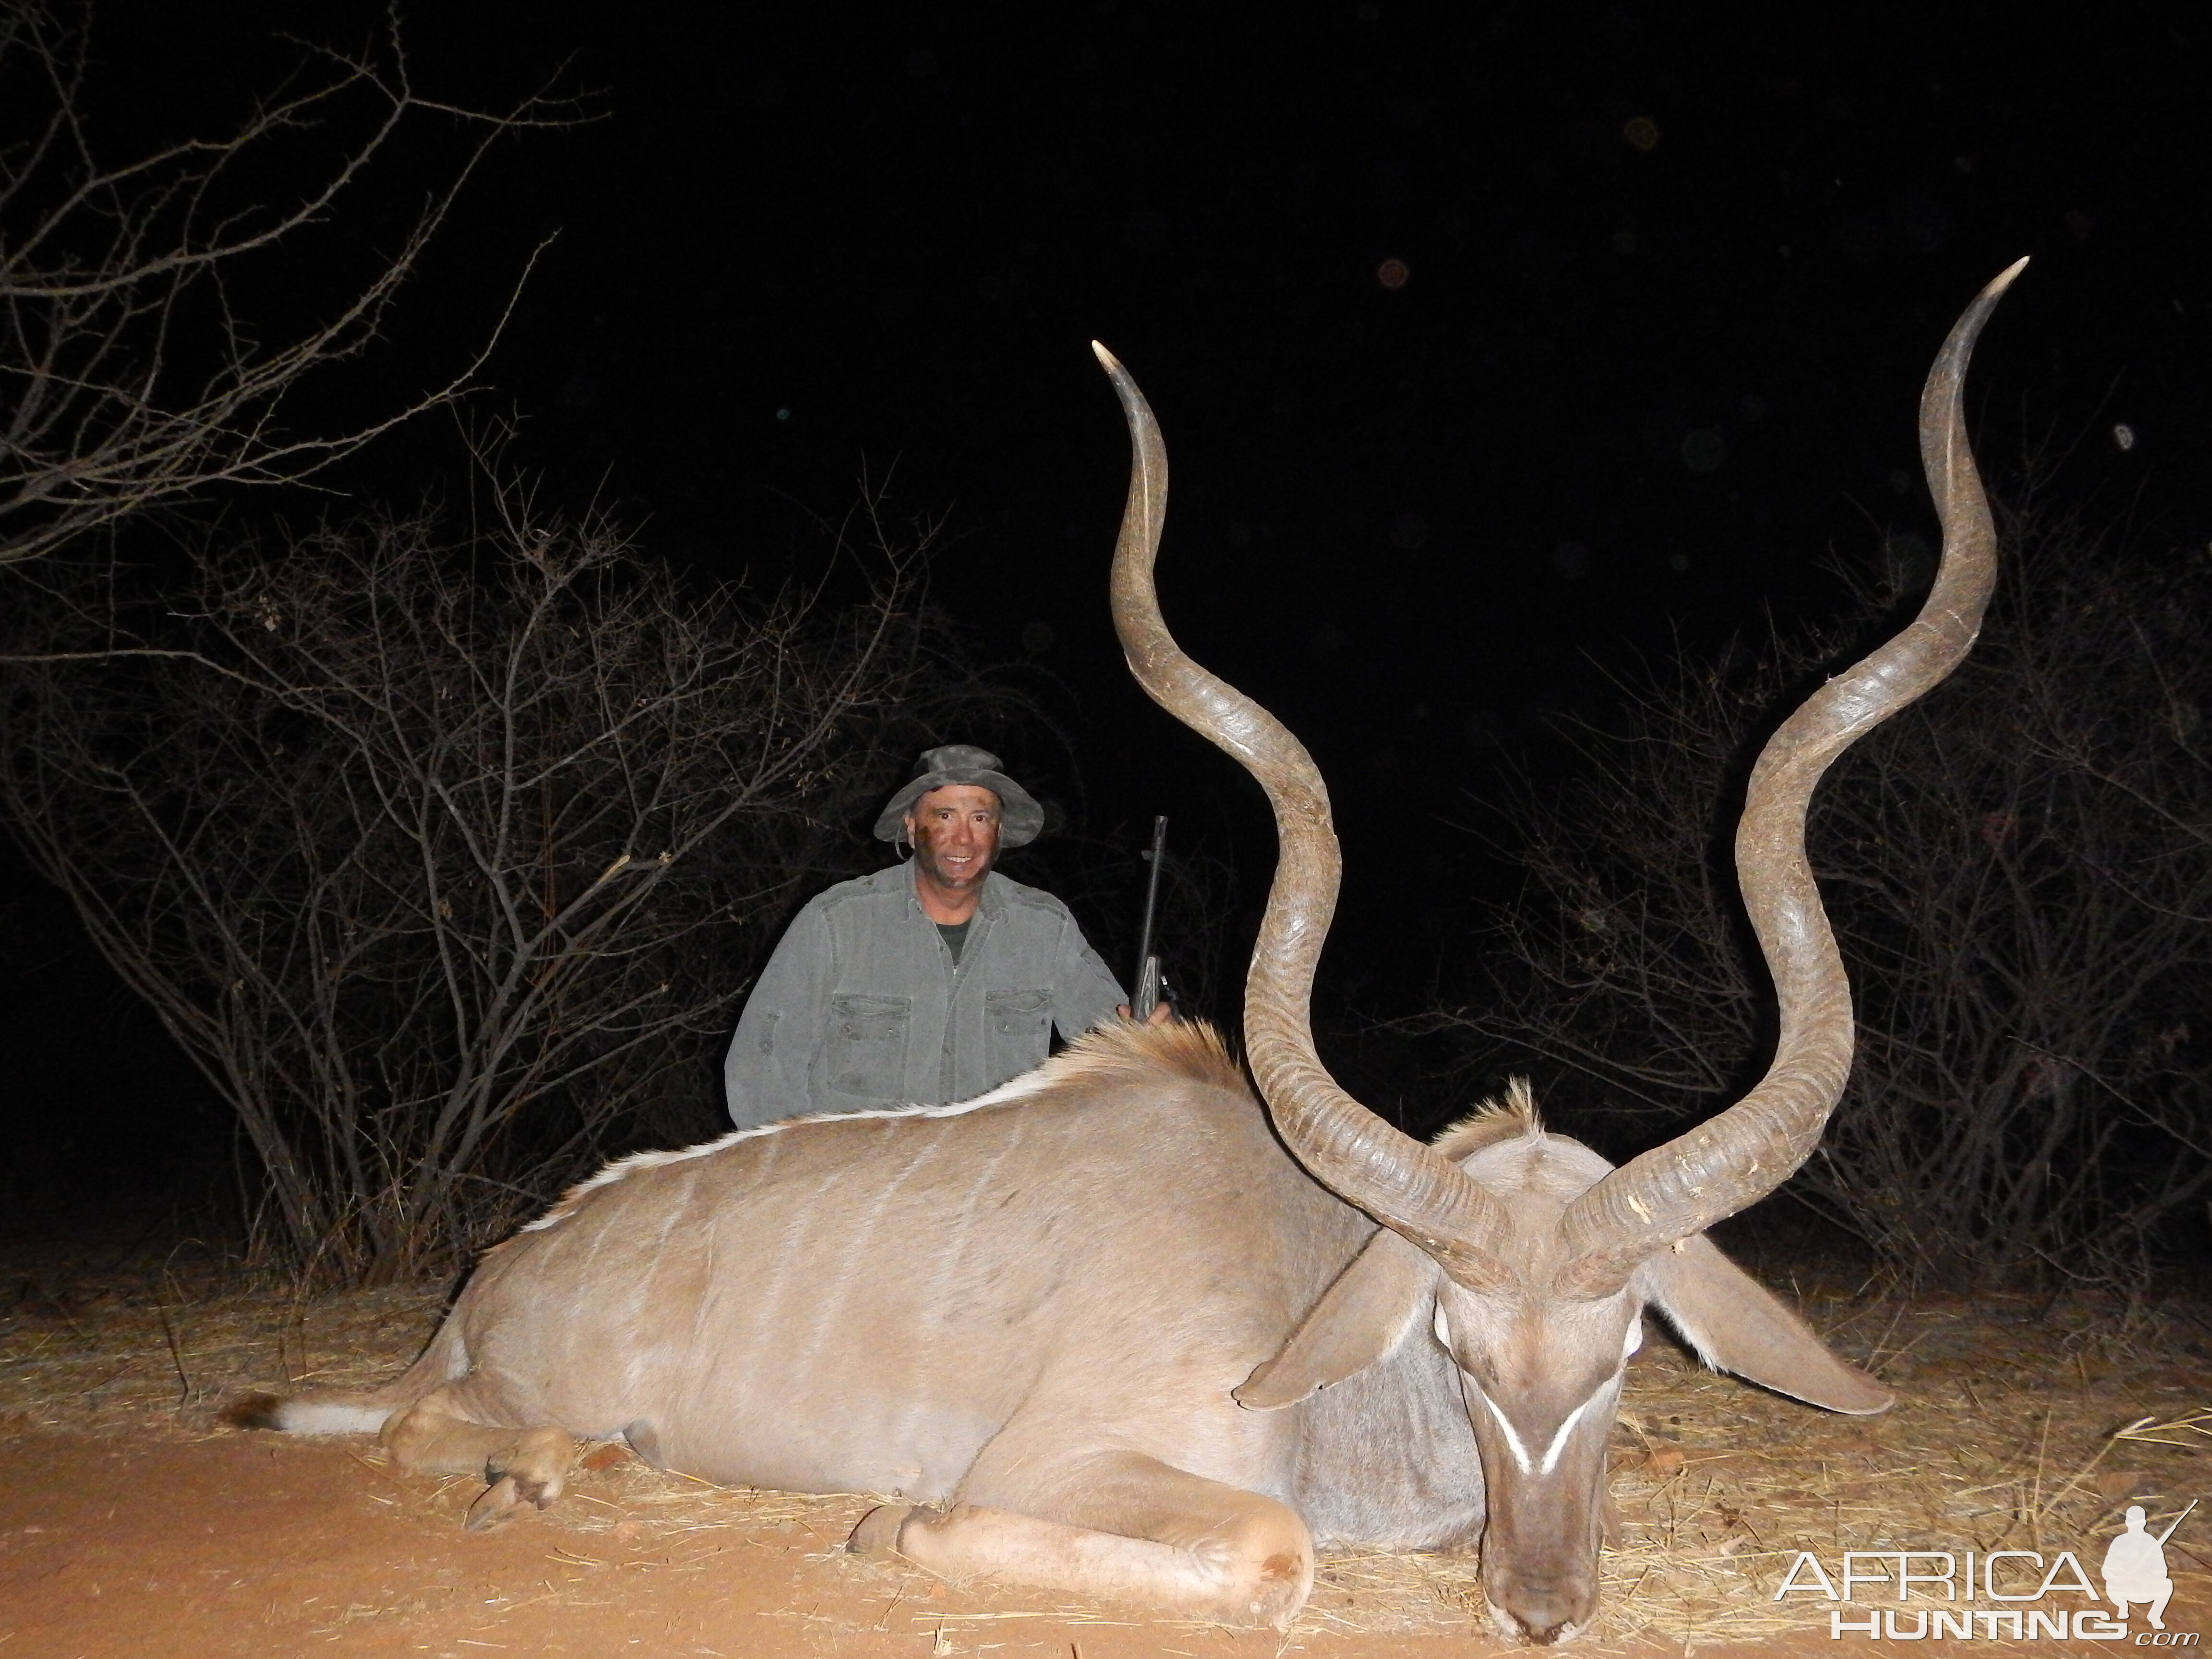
[{"x": 899, "y": 879}]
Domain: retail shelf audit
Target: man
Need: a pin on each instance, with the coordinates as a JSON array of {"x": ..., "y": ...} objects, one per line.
[{"x": 933, "y": 981}]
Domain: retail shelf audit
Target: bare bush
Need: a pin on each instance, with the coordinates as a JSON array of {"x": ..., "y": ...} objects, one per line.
[
  {"x": 2020, "y": 872},
  {"x": 446, "y": 858},
  {"x": 132, "y": 372}
]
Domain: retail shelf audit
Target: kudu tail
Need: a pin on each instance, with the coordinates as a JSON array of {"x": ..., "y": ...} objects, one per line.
[{"x": 333, "y": 1411}]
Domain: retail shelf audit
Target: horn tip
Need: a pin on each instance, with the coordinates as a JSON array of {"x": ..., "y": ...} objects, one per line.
[
  {"x": 2003, "y": 279},
  {"x": 1108, "y": 359}
]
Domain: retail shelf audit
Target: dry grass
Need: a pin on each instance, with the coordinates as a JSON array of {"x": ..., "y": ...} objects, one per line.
[{"x": 2015, "y": 1429}]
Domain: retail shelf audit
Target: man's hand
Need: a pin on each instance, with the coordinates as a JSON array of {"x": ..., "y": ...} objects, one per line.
[{"x": 1162, "y": 1013}]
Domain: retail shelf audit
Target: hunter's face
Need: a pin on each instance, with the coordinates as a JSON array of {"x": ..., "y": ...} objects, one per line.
[{"x": 955, "y": 832}]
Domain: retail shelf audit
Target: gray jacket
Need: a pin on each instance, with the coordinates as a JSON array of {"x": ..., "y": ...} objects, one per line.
[{"x": 861, "y": 1007}]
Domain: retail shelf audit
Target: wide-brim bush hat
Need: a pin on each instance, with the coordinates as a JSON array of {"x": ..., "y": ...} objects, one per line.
[{"x": 1020, "y": 818}]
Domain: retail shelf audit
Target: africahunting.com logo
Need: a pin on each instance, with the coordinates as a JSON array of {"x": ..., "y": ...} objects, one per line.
[{"x": 2030, "y": 1598}]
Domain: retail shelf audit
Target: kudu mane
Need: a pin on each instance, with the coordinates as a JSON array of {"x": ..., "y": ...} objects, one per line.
[
  {"x": 1114, "y": 1055},
  {"x": 1515, "y": 1117}
]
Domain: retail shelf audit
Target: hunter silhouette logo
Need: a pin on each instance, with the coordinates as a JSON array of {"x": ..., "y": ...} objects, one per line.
[
  {"x": 2134, "y": 1567},
  {"x": 2034, "y": 1599}
]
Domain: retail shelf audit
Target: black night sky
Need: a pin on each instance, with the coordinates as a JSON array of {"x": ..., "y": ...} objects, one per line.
[{"x": 1492, "y": 343}]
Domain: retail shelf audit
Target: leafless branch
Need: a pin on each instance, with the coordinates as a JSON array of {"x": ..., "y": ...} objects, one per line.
[
  {"x": 129, "y": 375},
  {"x": 445, "y": 858}
]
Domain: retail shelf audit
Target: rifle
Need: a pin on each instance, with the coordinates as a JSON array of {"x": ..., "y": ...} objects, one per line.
[
  {"x": 1152, "y": 984},
  {"x": 2178, "y": 1520}
]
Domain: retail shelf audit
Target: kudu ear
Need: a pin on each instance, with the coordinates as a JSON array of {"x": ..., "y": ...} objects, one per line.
[
  {"x": 1360, "y": 1319},
  {"x": 1737, "y": 1325}
]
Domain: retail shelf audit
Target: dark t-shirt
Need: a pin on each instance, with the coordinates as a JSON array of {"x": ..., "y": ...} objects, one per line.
[{"x": 954, "y": 934}]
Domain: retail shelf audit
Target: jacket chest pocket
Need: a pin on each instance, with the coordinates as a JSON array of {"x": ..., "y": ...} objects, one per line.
[
  {"x": 867, "y": 1044},
  {"x": 1017, "y": 1025}
]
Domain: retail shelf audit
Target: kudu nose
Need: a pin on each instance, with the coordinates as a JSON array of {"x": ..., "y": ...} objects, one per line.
[{"x": 1543, "y": 1615}]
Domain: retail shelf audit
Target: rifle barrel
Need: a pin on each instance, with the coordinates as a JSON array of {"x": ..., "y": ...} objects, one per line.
[
  {"x": 2178, "y": 1520},
  {"x": 1147, "y": 985}
]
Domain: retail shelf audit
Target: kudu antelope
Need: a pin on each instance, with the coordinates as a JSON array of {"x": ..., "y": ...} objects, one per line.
[{"x": 1099, "y": 1330}]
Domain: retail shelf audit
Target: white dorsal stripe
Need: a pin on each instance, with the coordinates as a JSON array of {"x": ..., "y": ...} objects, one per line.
[{"x": 1029, "y": 1083}]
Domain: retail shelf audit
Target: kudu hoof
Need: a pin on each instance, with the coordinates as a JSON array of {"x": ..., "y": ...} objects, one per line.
[
  {"x": 496, "y": 1504},
  {"x": 878, "y": 1531}
]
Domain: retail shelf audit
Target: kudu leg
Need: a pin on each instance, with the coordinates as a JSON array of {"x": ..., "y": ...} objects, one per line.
[
  {"x": 1123, "y": 1526},
  {"x": 441, "y": 1434}
]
